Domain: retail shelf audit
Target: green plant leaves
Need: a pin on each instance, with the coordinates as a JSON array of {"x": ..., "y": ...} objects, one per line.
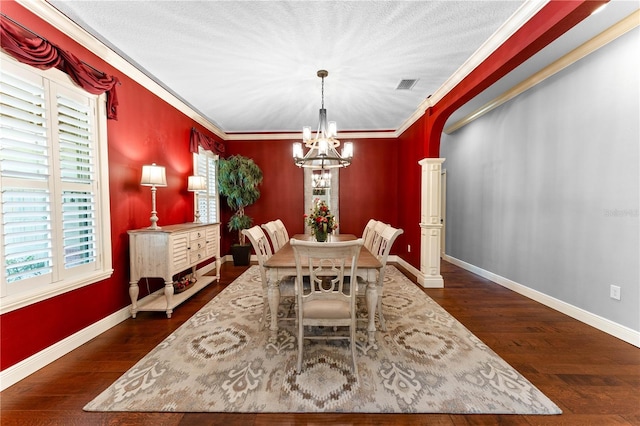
[{"x": 238, "y": 180}]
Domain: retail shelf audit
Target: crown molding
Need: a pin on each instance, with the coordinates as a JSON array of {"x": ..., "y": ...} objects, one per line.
[
  {"x": 48, "y": 13},
  {"x": 419, "y": 112},
  {"x": 497, "y": 39},
  {"x": 298, "y": 135},
  {"x": 45, "y": 11},
  {"x": 521, "y": 16},
  {"x": 622, "y": 27}
]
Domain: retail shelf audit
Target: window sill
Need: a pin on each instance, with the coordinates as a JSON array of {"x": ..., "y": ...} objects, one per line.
[{"x": 18, "y": 301}]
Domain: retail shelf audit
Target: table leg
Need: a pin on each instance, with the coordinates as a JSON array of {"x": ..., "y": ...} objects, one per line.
[
  {"x": 273, "y": 293},
  {"x": 168, "y": 294},
  {"x": 371, "y": 296},
  {"x": 134, "y": 290},
  {"x": 383, "y": 325}
]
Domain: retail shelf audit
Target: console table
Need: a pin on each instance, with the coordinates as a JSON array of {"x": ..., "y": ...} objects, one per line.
[{"x": 164, "y": 252}]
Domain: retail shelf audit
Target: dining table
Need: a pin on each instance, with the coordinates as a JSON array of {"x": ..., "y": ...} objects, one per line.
[{"x": 282, "y": 265}]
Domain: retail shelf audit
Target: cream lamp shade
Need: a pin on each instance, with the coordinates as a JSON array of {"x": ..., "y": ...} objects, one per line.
[
  {"x": 153, "y": 175},
  {"x": 197, "y": 183}
]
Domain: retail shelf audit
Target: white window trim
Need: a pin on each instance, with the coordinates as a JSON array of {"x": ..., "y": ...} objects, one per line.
[
  {"x": 215, "y": 157},
  {"x": 13, "y": 302}
]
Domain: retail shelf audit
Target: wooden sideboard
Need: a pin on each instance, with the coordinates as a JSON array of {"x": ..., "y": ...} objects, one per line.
[{"x": 165, "y": 252}]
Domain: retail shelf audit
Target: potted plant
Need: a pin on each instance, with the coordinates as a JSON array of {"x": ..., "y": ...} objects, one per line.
[{"x": 238, "y": 180}]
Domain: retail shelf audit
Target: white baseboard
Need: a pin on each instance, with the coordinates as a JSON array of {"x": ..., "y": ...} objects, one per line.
[
  {"x": 19, "y": 371},
  {"x": 425, "y": 281},
  {"x": 614, "y": 329},
  {"x": 400, "y": 261}
]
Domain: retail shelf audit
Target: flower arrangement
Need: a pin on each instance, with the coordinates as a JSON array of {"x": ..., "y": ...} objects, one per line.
[{"x": 321, "y": 221}]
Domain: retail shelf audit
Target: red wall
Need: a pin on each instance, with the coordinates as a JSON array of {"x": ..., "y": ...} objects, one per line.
[
  {"x": 281, "y": 192},
  {"x": 367, "y": 186},
  {"x": 411, "y": 149},
  {"x": 147, "y": 130},
  {"x": 422, "y": 139},
  {"x": 383, "y": 182},
  {"x": 150, "y": 130}
]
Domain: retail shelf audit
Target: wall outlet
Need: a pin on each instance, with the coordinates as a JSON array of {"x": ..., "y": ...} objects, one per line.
[
  {"x": 408, "y": 248},
  {"x": 614, "y": 292}
]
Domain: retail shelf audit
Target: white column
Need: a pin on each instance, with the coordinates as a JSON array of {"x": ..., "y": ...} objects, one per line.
[{"x": 430, "y": 223}]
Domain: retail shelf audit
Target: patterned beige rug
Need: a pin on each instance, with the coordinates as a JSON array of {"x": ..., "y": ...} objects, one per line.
[{"x": 426, "y": 362}]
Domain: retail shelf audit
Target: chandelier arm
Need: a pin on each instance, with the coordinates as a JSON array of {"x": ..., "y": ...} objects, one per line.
[{"x": 322, "y": 153}]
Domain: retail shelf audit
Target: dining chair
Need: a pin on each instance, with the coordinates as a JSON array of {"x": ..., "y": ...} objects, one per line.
[
  {"x": 283, "y": 234},
  {"x": 272, "y": 231},
  {"x": 263, "y": 253},
  {"x": 385, "y": 241},
  {"x": 368, "y": 233},
  {"x": 325, "y": 294},
  {"x": 377, "y": 233}
]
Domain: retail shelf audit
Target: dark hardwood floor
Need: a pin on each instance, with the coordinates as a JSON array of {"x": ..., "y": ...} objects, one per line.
[{"x": 593, "y": 377}]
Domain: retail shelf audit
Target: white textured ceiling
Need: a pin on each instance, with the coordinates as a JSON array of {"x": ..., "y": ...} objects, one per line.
[{"x": 250, "y": 66}]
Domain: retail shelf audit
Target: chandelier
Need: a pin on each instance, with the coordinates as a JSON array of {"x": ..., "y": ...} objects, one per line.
[
  {"x": 321, "y": 180},
  {"x": 322, "y": 152}
]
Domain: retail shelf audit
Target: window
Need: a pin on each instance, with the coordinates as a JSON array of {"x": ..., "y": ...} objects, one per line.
[
  {"x": 54, "y": 194},
  {"x": 205, "y": 164}
]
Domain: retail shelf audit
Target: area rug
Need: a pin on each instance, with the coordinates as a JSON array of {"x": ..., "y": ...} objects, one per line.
[{"x": 221, "y": 361}]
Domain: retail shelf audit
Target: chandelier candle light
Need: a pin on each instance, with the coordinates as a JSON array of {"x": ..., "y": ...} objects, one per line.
[
  {"x": 196, "y": 184},
  {"x": 322, "y": 152},
  {"x": 153, "y": 176},
  {"x": 321, "y": 180}
]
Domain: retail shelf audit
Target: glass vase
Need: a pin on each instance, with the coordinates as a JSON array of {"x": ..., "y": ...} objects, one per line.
[{"x": 321, "y": 236}]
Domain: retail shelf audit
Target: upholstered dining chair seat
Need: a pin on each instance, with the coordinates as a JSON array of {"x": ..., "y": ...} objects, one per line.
[{"x": 329, "y": 309}]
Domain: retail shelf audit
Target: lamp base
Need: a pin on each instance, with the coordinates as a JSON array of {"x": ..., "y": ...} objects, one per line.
[{"x": 154, "y": 221}]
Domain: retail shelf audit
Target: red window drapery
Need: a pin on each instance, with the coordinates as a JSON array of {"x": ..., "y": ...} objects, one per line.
[
  {"x": 200, "y": 139},
  {"x": 40, "y": 53}
]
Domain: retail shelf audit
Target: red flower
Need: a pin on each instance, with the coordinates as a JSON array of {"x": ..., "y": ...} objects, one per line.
[{"x": 320, "y": 219}]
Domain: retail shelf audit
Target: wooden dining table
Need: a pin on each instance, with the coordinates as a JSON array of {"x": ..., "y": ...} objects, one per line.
[{"x": 282, "y": 265}]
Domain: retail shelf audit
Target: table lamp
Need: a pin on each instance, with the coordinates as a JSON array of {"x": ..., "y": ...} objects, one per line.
[
  {"x": 153, "y": 176},
  {"x": 197, "y": 183}
]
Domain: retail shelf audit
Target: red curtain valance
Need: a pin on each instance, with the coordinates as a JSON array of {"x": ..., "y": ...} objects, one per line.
[
  {"x": 40, "y": 53},
  {"x": 200, "y": 139}
]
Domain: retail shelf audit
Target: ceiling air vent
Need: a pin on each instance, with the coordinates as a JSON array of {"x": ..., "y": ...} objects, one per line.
[{"x": 407, "y": 84}]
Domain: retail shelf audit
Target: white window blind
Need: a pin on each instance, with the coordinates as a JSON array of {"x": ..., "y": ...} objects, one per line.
[
  {"x": 78, "y": 181},
  {"x": 53, "y": 210},
  {"x": 27, "y": 233},
  {"x": 26, "y": 194},
  {"x": 207, "y": 201}
]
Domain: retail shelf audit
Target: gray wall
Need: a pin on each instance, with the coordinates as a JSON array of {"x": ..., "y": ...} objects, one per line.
[{"x": 545, "y": 190}]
